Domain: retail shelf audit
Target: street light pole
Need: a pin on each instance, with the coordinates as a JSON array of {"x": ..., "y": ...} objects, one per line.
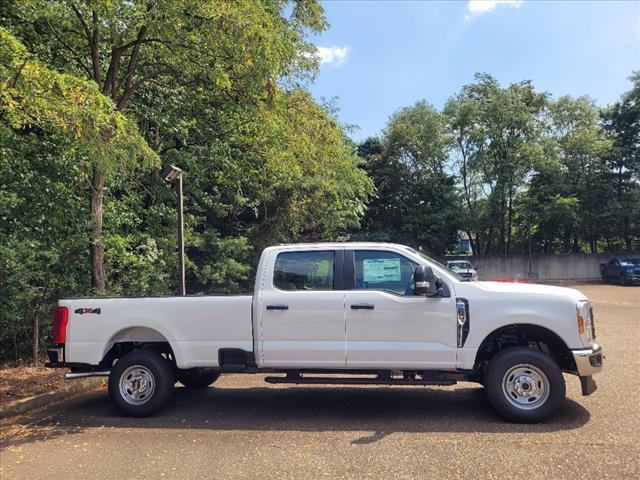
[
  {"x": 183, "y": 286},
  {"x": 173, "y": 175}
]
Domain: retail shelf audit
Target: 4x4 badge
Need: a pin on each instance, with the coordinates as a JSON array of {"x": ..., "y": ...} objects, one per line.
[{"x": 82, "y": 311}]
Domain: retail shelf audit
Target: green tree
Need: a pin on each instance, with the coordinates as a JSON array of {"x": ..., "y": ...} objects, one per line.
[
  {"x": 238, "y": 49},
  {"x": 280, "y": 172},
  {"x": 496, "y": 131},
  {"x": 263, "y": 163},
  {"x": 461, "y": 120},
  {"x": 51, "y": 123},
  {"x": 415, "y": 201},
  {"x": 622, "y": 122},
  {"x": 571, "y": 183}
]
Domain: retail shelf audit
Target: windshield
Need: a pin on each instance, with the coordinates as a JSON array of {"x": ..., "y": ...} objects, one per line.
[
  {"x": 629, "y": 262},
  {"x": 444, "y": 267}
]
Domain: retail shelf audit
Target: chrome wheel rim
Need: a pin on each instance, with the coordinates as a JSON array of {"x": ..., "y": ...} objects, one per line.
[
  {"x": 137, "y": 385},
  {"x": 525, "y": 386}
]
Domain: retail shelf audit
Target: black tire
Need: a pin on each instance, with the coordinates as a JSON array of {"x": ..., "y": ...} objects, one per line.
[
  {"x": 513, "y": 369},
  {"x": 605, "y": 279},
  {"x": 196, "y": 378},
  {"x": 153, "y": 370}
]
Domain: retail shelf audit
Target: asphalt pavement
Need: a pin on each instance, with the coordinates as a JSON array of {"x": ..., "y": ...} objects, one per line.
[{"x": 244, "y": 428}]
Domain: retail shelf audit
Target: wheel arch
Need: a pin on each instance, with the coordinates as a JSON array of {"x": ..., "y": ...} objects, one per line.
[
  {"x": 135, "y": 338},
  {"x": 525, "y": 335}
]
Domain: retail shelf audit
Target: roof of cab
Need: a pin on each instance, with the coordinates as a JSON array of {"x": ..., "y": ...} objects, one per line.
[{"x": 339, "y": 245}]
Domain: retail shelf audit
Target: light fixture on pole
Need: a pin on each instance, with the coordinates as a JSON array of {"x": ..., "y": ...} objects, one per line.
[{"x": 173, "y": 176}]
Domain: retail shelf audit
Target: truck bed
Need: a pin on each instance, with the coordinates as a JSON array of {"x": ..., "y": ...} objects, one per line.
[{"x": 206, "y": 324}]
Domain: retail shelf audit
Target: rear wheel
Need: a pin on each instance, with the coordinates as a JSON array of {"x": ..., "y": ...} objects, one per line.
[
  {"x": 141, "y": 382},
  {"x": 604, "y": 278},
  {"x": 197, "y": 378},
  {"x": 524, "y": 385}
]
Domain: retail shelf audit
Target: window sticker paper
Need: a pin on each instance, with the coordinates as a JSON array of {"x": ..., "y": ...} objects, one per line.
[{"x": 381, "y": 270}]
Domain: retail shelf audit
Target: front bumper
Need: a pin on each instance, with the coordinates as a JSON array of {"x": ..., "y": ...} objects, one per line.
[
  {"x": 588, "y": 362},
  {"x": 469, "y": 277}
]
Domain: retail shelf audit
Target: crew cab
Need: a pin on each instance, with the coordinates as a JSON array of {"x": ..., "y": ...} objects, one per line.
[
  {"x": 375, "y": 313},
  {"x": 622, "y": 269}
]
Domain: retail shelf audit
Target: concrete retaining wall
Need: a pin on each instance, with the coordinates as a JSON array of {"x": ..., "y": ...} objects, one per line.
[{"x": 569, "y": 266}]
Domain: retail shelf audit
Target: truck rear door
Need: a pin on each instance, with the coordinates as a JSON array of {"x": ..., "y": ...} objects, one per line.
[{"x": 300, "y": 310}]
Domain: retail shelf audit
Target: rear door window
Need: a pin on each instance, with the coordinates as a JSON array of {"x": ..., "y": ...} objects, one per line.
[{"x": 304, "y": 271}]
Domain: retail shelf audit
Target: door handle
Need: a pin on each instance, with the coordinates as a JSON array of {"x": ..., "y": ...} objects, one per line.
[
  {"x": 278, "y": 306},
  {"x": 362, "y": 306}
]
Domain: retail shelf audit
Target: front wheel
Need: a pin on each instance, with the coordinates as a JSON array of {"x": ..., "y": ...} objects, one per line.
[
  {"x": 524, "y": 385},
  {"x": 141, "y": 382}
]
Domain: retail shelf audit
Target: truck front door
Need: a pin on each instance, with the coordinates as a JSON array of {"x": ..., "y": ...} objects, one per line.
[
  {"x": 301, "y": 309},
  {"x": 390, "y": 327}
]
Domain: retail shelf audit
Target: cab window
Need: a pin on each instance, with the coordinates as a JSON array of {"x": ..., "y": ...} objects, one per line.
[
  {"x": 380, "y": 270},
  {"x": 304, "y": 270}
]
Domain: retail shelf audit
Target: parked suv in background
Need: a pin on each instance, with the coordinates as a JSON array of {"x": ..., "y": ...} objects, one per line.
[
  {"x": 464, "y": 269},
  {"x": 623, "y": 270}
]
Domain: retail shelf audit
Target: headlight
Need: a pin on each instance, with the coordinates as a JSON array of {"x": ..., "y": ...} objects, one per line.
[{"x": 584, "y": 317}]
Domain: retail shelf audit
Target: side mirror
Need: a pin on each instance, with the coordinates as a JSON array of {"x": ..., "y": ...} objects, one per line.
[{"x": 424, "y": 281}]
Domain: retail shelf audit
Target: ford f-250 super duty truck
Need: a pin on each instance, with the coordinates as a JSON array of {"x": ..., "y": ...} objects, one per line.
[{"x": 376, "y": 313}]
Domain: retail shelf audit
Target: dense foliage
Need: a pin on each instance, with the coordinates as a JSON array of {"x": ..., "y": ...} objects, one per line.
[
  {"x": 508, "y": 167},
  {"x": 97, "y": 96},
  {"x": 416, "y": 201}
]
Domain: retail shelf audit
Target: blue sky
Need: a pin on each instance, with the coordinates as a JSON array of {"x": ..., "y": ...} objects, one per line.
[{"x": 379, "y": 56}]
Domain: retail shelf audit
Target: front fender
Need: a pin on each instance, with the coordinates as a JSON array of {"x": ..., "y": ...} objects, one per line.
[{"x": 483, "y": 327}]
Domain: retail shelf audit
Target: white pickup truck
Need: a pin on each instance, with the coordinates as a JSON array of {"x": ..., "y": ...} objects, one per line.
[{"x": 375, "y": 313}]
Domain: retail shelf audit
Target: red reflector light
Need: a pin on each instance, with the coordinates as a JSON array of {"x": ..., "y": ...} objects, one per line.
[{"x": 60, "y": 319}]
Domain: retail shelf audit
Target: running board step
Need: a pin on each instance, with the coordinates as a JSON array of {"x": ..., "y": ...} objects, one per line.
[{"x": 357, "y": 381}]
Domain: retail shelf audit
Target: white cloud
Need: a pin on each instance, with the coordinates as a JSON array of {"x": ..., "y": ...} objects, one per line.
[
  {"x": 478, "y": 7},
  {"x": 333, "y": 54}
]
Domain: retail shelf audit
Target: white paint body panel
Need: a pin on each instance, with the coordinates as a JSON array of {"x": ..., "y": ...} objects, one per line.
[
  {"x": 401, "y": 332},
  {"x": 319, "y": 330},
  {"x": 310, "y": 334},
  {"x": 496, "y": 304},
  {"x": 195, "y": 327}
]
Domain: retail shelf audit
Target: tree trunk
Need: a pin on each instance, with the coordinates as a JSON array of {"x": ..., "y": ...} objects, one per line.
[
  {"x": 98, "y": 279},
  {"x": 35, "y": 340},
  {"x": 473, "y": 247},
  {"x": 509, "y": 220},
  {"x": 487, "y": 247}
]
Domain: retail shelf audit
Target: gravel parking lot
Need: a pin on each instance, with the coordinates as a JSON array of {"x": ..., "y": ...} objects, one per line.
[{"x": 243, "y": 428}]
